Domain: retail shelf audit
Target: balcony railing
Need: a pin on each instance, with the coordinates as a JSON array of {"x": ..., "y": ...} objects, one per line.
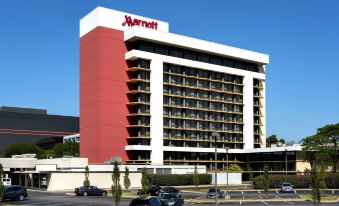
[{"x": 205, "y": 79}]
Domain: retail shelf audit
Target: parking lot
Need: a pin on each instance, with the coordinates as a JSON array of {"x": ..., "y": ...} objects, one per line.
[{"x": 237, "y": 198}]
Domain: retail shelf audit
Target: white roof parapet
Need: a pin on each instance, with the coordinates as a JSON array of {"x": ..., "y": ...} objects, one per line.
[
  {"x": 136, "y": 33},
  {"x": 114, "y": 19}
]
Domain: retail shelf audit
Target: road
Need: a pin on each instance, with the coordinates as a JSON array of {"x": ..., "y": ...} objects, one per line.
[{"x": 60, "y": 199}]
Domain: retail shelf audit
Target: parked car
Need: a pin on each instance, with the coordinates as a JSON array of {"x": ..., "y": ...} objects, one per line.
[
  {"x": 152, "y": 190},
  {"x": 286, "y": 187},
  {"x": 146, "y": 201},
  {"x": 89, "y": 191},
  {"x": 168, "y": 190},
  {"x": 212, "y": 194},
  {"x": 6, "y": 181},
  {"x": 172, "y": 200},
  {"x": 14, "y": 192}
]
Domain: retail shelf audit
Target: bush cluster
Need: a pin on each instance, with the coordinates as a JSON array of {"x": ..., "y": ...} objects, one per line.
[
  {"x": 298, "y": 181},
  {"x": 332, "y": 180},
  {"x": 178, "y": 179}
]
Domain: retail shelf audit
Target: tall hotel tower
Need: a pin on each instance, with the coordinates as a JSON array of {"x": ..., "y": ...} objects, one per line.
[{"x": 149, "y": 96}]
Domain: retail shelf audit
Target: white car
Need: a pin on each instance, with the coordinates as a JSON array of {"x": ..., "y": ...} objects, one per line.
[
  {"x": 286, "y": 187},
  {"x": 6, "y": 181}
]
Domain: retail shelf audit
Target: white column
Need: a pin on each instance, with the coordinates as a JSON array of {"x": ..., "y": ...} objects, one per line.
[
  {"x": 156, "y": 87},
  {"x": 248, "y": 112}
]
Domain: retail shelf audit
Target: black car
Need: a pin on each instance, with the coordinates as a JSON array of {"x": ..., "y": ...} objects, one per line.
[
  {"x": 146, "y": 201},
  {"x": 14, "y": 192},
  {"x": 153, "y": 190},
  {"x": 168, "y": 190},
  {"x": 89, "y": 191},
  {"x": 172, "y": 200}
]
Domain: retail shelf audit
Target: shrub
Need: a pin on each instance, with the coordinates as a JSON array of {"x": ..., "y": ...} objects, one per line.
[
  {"x": 178, "y": 179},
  {"x": 234, "y": 168},
  {"x": 298, "y": 181},
  {"x": 332, "y": 180},
  {"x": 145, "y": 179}
]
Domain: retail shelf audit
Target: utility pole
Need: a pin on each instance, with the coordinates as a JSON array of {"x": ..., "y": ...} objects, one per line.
[{"x": 216, "y": 136}]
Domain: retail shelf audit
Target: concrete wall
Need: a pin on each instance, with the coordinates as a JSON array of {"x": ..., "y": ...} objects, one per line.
[
  {"x": 69, "y": 181},
  {"x": 27, "y": 163},
  {"x": 233, "y": 178},
  {"x": 65, "y": 163}
]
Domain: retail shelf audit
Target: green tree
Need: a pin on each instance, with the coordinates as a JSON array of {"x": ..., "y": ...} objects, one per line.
[
  {"x": 272, "y": 139},
  {"x": 315, "y": 150},
  {"x": 24, "y": 148},
  {"x": 116, "y": 187},
  {"x": 234, "y": 168},
  {"x": 331, "y": 133},
  {"x": 86, "y": 182},
  {"x": 64, "y": 149},
  {"x": 266, "y": 181},
  {"x": 145, "y": 181},
  {"x": 250, "y": 174},
  {"x": 315, "y": 183},
  {"x": 127, "y": 181},
  {"x": 2, "y": 188},
  {"x": 196, "y": 176}
]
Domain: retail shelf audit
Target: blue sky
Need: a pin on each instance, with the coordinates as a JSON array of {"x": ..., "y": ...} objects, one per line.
[{"x": 39, "y": 51}]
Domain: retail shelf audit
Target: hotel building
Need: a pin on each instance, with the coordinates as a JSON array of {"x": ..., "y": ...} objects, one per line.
[{"x": 149, "y": 96}]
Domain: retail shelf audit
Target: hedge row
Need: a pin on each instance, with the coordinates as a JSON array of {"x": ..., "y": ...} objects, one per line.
[
  {"x": 298, "y": 181},
  {"x": 176, "y": 179}
]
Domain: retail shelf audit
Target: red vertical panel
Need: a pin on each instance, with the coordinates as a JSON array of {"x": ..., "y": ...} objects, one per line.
[{"x": 103, "y": 110}]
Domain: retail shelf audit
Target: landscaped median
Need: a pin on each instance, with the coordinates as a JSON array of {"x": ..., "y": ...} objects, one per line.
[{"x": 301, "y": 198}]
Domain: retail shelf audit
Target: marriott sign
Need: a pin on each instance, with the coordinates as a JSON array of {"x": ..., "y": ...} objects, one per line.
[{"x": 137, "y": 22}]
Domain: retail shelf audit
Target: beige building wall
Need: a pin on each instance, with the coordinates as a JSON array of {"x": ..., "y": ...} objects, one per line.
[
  {"x": 69, "y": 181},
  {"x": 301, "y": 164}
]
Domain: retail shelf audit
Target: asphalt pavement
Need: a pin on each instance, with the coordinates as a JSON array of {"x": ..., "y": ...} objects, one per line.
[{"x": 238, "y": 197}]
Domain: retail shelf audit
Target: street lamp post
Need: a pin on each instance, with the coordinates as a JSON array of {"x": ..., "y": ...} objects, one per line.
[
  {"x": 227, "y": 196},
  {"x": 215, "y": 136}
]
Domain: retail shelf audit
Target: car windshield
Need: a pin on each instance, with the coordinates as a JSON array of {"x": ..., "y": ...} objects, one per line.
[
  {"x": 213, "y": 190},
  {"x": 168, "y": 196},
  {"x": 286, "y": 184}
]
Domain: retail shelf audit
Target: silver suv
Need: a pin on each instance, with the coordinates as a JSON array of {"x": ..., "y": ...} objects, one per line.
[{"x": 286, "y": 187}]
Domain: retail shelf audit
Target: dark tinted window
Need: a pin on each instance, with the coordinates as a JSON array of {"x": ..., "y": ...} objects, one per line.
[
  {"x": 195, "y": 56},
  {"x": 16, "y": 188},
  {"x": 138, "y": 202}
]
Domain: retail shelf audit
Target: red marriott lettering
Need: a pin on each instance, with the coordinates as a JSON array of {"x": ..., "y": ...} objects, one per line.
[{"x": 137, "y": 22}]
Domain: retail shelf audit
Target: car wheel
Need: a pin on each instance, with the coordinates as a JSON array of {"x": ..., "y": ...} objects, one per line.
[
  {"x": 85, "y": 194},
  {"x": 21, "y": 198},
  {"x": 104, "y": 194}
]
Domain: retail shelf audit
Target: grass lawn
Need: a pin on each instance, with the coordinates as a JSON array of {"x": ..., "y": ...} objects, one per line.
[{"x": 323, "y": 198}]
